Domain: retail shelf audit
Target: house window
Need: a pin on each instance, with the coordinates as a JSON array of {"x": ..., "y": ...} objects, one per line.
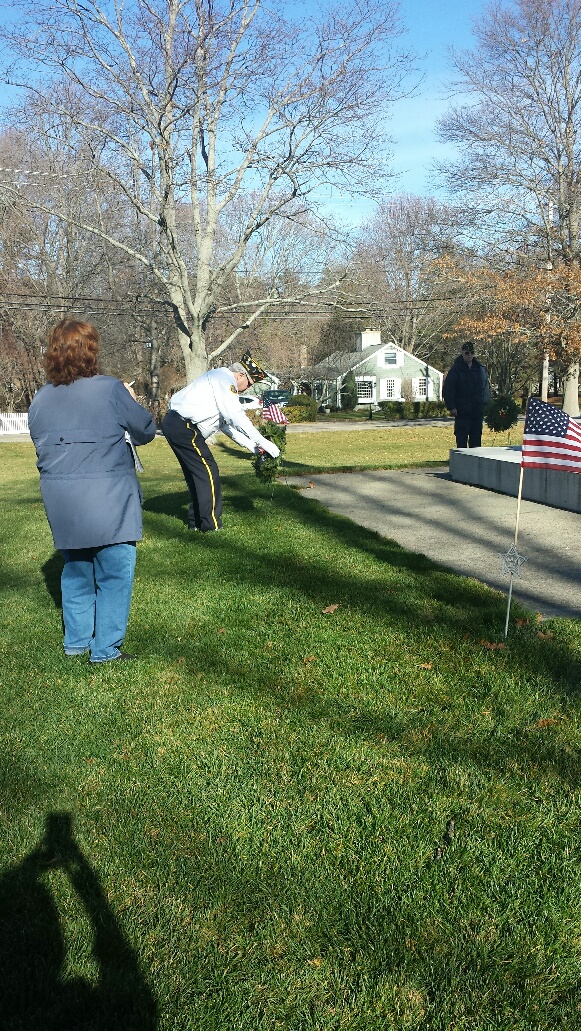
[
  {"x": 365, "y": 391},
  {"x": 389, "y": 389},
  {"x": 390, "y": 358},
  {"x": 422, "y": 387}
]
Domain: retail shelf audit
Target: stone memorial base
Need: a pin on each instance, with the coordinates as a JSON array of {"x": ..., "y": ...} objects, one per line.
[{"x": 498, "y": 468}]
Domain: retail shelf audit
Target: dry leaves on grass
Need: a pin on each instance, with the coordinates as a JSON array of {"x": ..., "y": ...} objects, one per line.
[
  {"x": 331, "y": 608},
  {"x": 425, "y": 665},
  {"x": 548, "y": 636},
  {"x": 492, "y": 645}
]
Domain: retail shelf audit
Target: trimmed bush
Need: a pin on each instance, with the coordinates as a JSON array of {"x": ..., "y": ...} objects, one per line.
[
  {"x": 412, "y": 409},
  {"x": 301, "y": 409},
  {"x": 349, "y": 397}
]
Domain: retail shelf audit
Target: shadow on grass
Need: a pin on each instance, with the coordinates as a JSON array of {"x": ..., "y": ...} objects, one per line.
[
  {"x": 430, "y": 596},
  {"x": 427, "y": 599},
  {"x": 35, "y": 994},
  {"x": 52, "y": 571},
  {"x": 443, "y": 740},
  {"x": 173, "y": 505},
  {"x": 176, "y": 505}
]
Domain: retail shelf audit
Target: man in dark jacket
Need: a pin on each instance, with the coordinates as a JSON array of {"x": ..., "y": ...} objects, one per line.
[{"x": 466, "y": 392}]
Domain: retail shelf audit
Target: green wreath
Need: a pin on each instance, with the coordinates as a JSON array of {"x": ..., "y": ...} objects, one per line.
[
  {"x": 501, "y": 414},
  {"x": 265, "y": 467}
]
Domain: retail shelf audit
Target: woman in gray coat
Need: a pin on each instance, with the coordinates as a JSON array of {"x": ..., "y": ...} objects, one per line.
[{"x": 78, "y": 422}]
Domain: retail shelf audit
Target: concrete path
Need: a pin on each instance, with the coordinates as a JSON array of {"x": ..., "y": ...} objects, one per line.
[
  {"x": 367, "y": 424},
  {"x": 464, "y": 528}
]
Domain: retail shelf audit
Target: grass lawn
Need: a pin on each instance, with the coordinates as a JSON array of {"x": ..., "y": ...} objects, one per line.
[
  {"x": 390, "y": 447},
  {"x": 281, "y": 817}
]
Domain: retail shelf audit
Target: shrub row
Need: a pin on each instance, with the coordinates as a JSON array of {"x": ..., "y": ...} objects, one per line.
[
  {"x": 302, "y": 408},
  {"x": 412, "y": 409}
]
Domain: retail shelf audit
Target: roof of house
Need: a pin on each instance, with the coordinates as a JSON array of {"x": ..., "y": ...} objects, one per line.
[
  {"x": 341, "y": 362},
  {"x": 336, "y": 364}
]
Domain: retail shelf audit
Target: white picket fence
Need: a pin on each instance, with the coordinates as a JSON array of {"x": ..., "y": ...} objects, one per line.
[{"x": 13, "y": 422}]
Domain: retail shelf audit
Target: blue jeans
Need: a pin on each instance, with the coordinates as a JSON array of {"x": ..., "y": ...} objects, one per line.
[{"x": 96, "y": 587}]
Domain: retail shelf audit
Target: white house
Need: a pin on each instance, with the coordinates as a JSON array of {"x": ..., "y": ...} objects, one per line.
[{"x": 383, "y": 372}]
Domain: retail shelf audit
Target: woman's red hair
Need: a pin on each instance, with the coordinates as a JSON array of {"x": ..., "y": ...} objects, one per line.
[{"x": 72, "y": 352}]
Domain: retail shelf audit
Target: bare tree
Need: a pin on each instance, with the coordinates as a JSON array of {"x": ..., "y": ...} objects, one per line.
[
  {"x": 520, "y": 141},
  {"x": 189, "y": 106},
  {"x": 399, "y": 272},
  {"x": 52, "y": 266}
]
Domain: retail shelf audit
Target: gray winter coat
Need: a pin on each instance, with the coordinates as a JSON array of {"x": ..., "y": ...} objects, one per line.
[{"x": 87, "y": 475}]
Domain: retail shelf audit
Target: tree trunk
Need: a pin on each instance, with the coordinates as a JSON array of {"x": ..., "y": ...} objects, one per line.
[
  {"x": 193, "y": 348},
  {"x": 571, "y": 393},
  {"x": 545, "y": 379},
  {"x": 154, "y": 336}
]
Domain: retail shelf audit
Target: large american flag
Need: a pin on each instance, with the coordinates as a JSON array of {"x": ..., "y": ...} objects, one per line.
[
  {"x": 272, "y": 412},
  {"x": 551, "y": 439}
]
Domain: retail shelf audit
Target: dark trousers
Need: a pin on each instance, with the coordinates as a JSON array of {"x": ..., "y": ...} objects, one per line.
[
  {"x": 200, "y": 471},
  {"x": 468, "y": 430}
]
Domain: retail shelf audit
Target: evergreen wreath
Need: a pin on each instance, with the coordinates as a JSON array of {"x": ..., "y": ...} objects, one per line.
[
  {"x": 266, "y": 467},
  {"x": 501, "y": 414}
]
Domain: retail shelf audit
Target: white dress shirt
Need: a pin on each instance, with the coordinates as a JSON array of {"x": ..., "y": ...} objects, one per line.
[{"x": 211, "y": 401}]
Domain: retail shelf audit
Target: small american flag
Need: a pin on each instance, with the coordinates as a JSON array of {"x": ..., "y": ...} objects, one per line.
[
  {"x": 551, "y": 439},
  {"x": 274, "y": 413}
]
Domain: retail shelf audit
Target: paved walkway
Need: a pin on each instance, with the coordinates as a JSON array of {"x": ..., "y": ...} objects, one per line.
[
  {"x": 465, "y": 528},
  {"x": 367, "y": 424}
]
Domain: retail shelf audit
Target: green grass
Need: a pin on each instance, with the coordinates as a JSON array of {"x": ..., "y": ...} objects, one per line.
[
  {"x": 258, "y": 806},
  {"x": 390, "y": 447}
]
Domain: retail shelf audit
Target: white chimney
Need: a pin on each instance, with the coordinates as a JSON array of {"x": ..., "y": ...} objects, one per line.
[{"x": 368, "y": 338}]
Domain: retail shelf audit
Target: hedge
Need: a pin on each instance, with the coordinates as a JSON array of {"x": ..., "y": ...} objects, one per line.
[
  {"x": 412, "y": 409},
  {"x": 302, "y": 408}
]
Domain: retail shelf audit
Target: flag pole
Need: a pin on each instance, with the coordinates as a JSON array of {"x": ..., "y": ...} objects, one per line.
[
  {"x": 518, "y": 505},
  {"x": 519, "y": 497},
  {"x": 508, "y": 606}
]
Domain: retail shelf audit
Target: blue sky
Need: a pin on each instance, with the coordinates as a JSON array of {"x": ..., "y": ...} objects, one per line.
[{"x": 433, "y": 26}]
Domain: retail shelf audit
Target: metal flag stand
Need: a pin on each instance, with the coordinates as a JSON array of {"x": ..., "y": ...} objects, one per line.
[{"x": 512, "y": 561}]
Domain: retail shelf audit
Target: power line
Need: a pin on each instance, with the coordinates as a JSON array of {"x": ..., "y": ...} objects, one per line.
[
  {"x": 142, "y": 305},
  {"x": 28, "y": 302}
]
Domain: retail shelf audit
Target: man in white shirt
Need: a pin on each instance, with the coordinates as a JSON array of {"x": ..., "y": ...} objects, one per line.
[{"x": 209, "y": 404}]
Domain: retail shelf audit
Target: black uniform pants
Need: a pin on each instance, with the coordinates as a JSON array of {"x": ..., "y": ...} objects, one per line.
[
  {"x": 468, "y": 430},
  {"x": 200, "y": 471}
]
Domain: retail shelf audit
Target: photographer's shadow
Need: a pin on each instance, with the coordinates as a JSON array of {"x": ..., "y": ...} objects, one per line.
[{"x": 35, "y": 994}]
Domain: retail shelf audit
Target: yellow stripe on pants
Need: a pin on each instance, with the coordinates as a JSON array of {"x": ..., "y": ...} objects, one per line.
[{"x": 210, "y": 477}]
